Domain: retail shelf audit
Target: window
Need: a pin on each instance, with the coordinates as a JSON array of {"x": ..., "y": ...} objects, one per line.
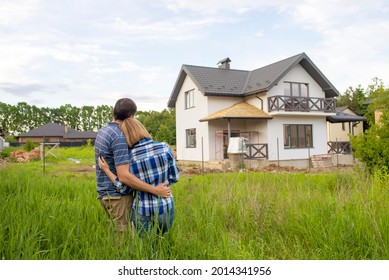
[
  {"x": 298, "y": 96},
  {"x": 296, "y": 89},
  {"x": 191, "y": 138},
  {"x": 189, "y": 99},
  {"x": 298, "y": 136}
]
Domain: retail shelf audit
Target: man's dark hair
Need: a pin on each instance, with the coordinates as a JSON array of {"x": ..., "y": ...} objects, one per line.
[{"x": 124, "y": 108}]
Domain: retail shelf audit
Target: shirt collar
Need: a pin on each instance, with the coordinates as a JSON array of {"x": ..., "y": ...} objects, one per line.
[{"x": 143, "y": 142}]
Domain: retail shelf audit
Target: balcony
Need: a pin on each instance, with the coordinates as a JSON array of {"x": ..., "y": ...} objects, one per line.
[{"x": 301, "y": 104}]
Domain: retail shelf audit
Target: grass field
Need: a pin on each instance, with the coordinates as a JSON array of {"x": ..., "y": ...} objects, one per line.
[{"x": 254, "y": 215}]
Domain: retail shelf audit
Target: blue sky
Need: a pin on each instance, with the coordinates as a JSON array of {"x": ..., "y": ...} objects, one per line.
[{"x": 92, "y": 52}]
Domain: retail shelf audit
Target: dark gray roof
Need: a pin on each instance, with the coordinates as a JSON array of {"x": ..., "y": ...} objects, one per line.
[
  {"x": 49, "y": 130},
  {"x": 56, "y": 130},
  {"x": 264, "y": 78},
  {"x": 80, "y": 135},
  {"x": 344, "y": 117},
  {"x": 224, "y": 82},
  {"x": 238, "y": 83}
]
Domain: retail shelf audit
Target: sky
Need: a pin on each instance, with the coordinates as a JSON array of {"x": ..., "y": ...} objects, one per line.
[{"x": 93, "y": 52}]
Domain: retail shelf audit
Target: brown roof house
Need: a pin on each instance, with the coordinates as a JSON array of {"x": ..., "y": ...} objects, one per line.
[{"x": 54, "y": 133}]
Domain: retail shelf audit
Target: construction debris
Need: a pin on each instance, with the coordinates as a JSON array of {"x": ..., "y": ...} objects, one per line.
[{"x": 23, "y": 156}]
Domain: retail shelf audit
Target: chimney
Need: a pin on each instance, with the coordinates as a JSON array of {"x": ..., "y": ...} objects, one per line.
[
  {"x": 66, "y": 129},
  {"x": 224, "y": 63}
]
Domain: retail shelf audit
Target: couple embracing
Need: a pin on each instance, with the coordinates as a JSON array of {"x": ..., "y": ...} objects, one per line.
[{"x": 134, "y": 173}]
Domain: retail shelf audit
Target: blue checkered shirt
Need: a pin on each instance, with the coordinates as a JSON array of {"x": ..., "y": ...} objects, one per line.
[{"x": 153, "y": 163}]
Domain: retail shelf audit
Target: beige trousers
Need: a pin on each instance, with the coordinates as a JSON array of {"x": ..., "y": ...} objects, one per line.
[{"x": 118, "y": 209}]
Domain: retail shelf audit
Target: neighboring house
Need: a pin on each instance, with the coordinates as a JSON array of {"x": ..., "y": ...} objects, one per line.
[
  {"x": 339, "y": 128},
  {"x": 54, "y": 133},
  {"x": 281, "y": 110}
]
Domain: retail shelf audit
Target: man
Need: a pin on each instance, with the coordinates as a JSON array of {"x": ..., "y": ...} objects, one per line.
[{"x": 112, "y": 146}]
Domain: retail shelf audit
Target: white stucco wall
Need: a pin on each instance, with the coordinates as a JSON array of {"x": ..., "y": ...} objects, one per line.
[
  {"x": 276, "y": 134},
  {"x": 189, "y": 118},
  {"x": 298, "y": 75}
]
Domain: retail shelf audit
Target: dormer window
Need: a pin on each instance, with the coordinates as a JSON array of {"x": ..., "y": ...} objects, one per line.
[{"x": 189, "y": 99}]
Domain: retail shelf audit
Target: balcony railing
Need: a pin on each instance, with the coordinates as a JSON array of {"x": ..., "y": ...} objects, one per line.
[
  {"x": 256, "y": 151},
  {"x": 301, "y": 104},
  {"x": 339, "y": 147}
]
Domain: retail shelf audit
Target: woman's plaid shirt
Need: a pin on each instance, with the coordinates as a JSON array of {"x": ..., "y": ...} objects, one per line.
[{"x": 153, "y": 163}]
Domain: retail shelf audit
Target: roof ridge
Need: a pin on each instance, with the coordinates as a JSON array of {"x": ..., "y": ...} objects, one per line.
[
  {"x": 215, "y": 68},
  {"x": 282, "y": 60}
]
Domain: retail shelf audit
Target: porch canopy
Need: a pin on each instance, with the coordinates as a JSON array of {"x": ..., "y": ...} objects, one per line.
[
  {"x": 241, "y": 110},
  {"x": 341, "y": 117}
]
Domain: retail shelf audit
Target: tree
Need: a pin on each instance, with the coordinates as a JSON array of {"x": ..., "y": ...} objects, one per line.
[
  {"x": 70, "y": 116},
  {"x": 163, "y": 134},
  {"x": 5, "y": 117},
  {"x": 378, "y": 99},
  {"x": 87, "y": 115},
  {"x": 372, "y": 147},
  {"x": 161, "y": 125},
  {"x": 354, "y": 99},
  {"x": 103, "y": 115}
]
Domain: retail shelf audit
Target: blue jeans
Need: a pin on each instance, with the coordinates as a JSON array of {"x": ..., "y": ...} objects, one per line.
[{"x": 162, "y": 222}]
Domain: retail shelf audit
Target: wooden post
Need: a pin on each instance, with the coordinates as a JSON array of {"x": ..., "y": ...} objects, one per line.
[
  {"x": 44, "y": 155},
  {"x": 202, "y": 155}
]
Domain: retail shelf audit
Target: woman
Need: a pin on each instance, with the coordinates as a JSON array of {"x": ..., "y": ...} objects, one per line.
[{"x": 153, "y": 163}]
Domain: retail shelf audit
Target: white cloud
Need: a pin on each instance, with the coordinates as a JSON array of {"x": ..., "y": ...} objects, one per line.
[
  {"x": 123, "y": 66},
  {"x": 91, "y": 52},
  {"x": 67, "y": 53},
  {"x": 16, "y": 61},
  {"x": 213, "y": 7},
  {"x": 169, "y": 30},
  {"x": 15, "y": 12}
]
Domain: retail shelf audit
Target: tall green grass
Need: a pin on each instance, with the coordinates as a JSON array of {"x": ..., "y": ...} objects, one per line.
[{"x": 218, "y": 216}]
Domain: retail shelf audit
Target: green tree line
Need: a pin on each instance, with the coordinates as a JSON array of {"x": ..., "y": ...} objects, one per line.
[{"x": 23, "y": 117}]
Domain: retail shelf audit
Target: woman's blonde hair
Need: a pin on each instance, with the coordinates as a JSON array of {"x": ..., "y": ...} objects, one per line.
[{"x": 134, "y": 131}]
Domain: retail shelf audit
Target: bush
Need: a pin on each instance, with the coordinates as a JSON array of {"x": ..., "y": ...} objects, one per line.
[
  {"x": 11, "y": 139},
  {"x": 372, "y": 147},
  {"x": 30, "y": 145},
  {"x": 5, "y": 153}
]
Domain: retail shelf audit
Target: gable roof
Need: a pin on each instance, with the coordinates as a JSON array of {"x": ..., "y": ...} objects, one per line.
[
  {"x": 240, "y": 83},
  {"x": 241, "y": 110},
  {"x": 56, "y": 130}
]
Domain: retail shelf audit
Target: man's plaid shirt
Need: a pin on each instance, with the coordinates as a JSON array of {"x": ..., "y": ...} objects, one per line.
[{"x": 153, "y": 163}]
